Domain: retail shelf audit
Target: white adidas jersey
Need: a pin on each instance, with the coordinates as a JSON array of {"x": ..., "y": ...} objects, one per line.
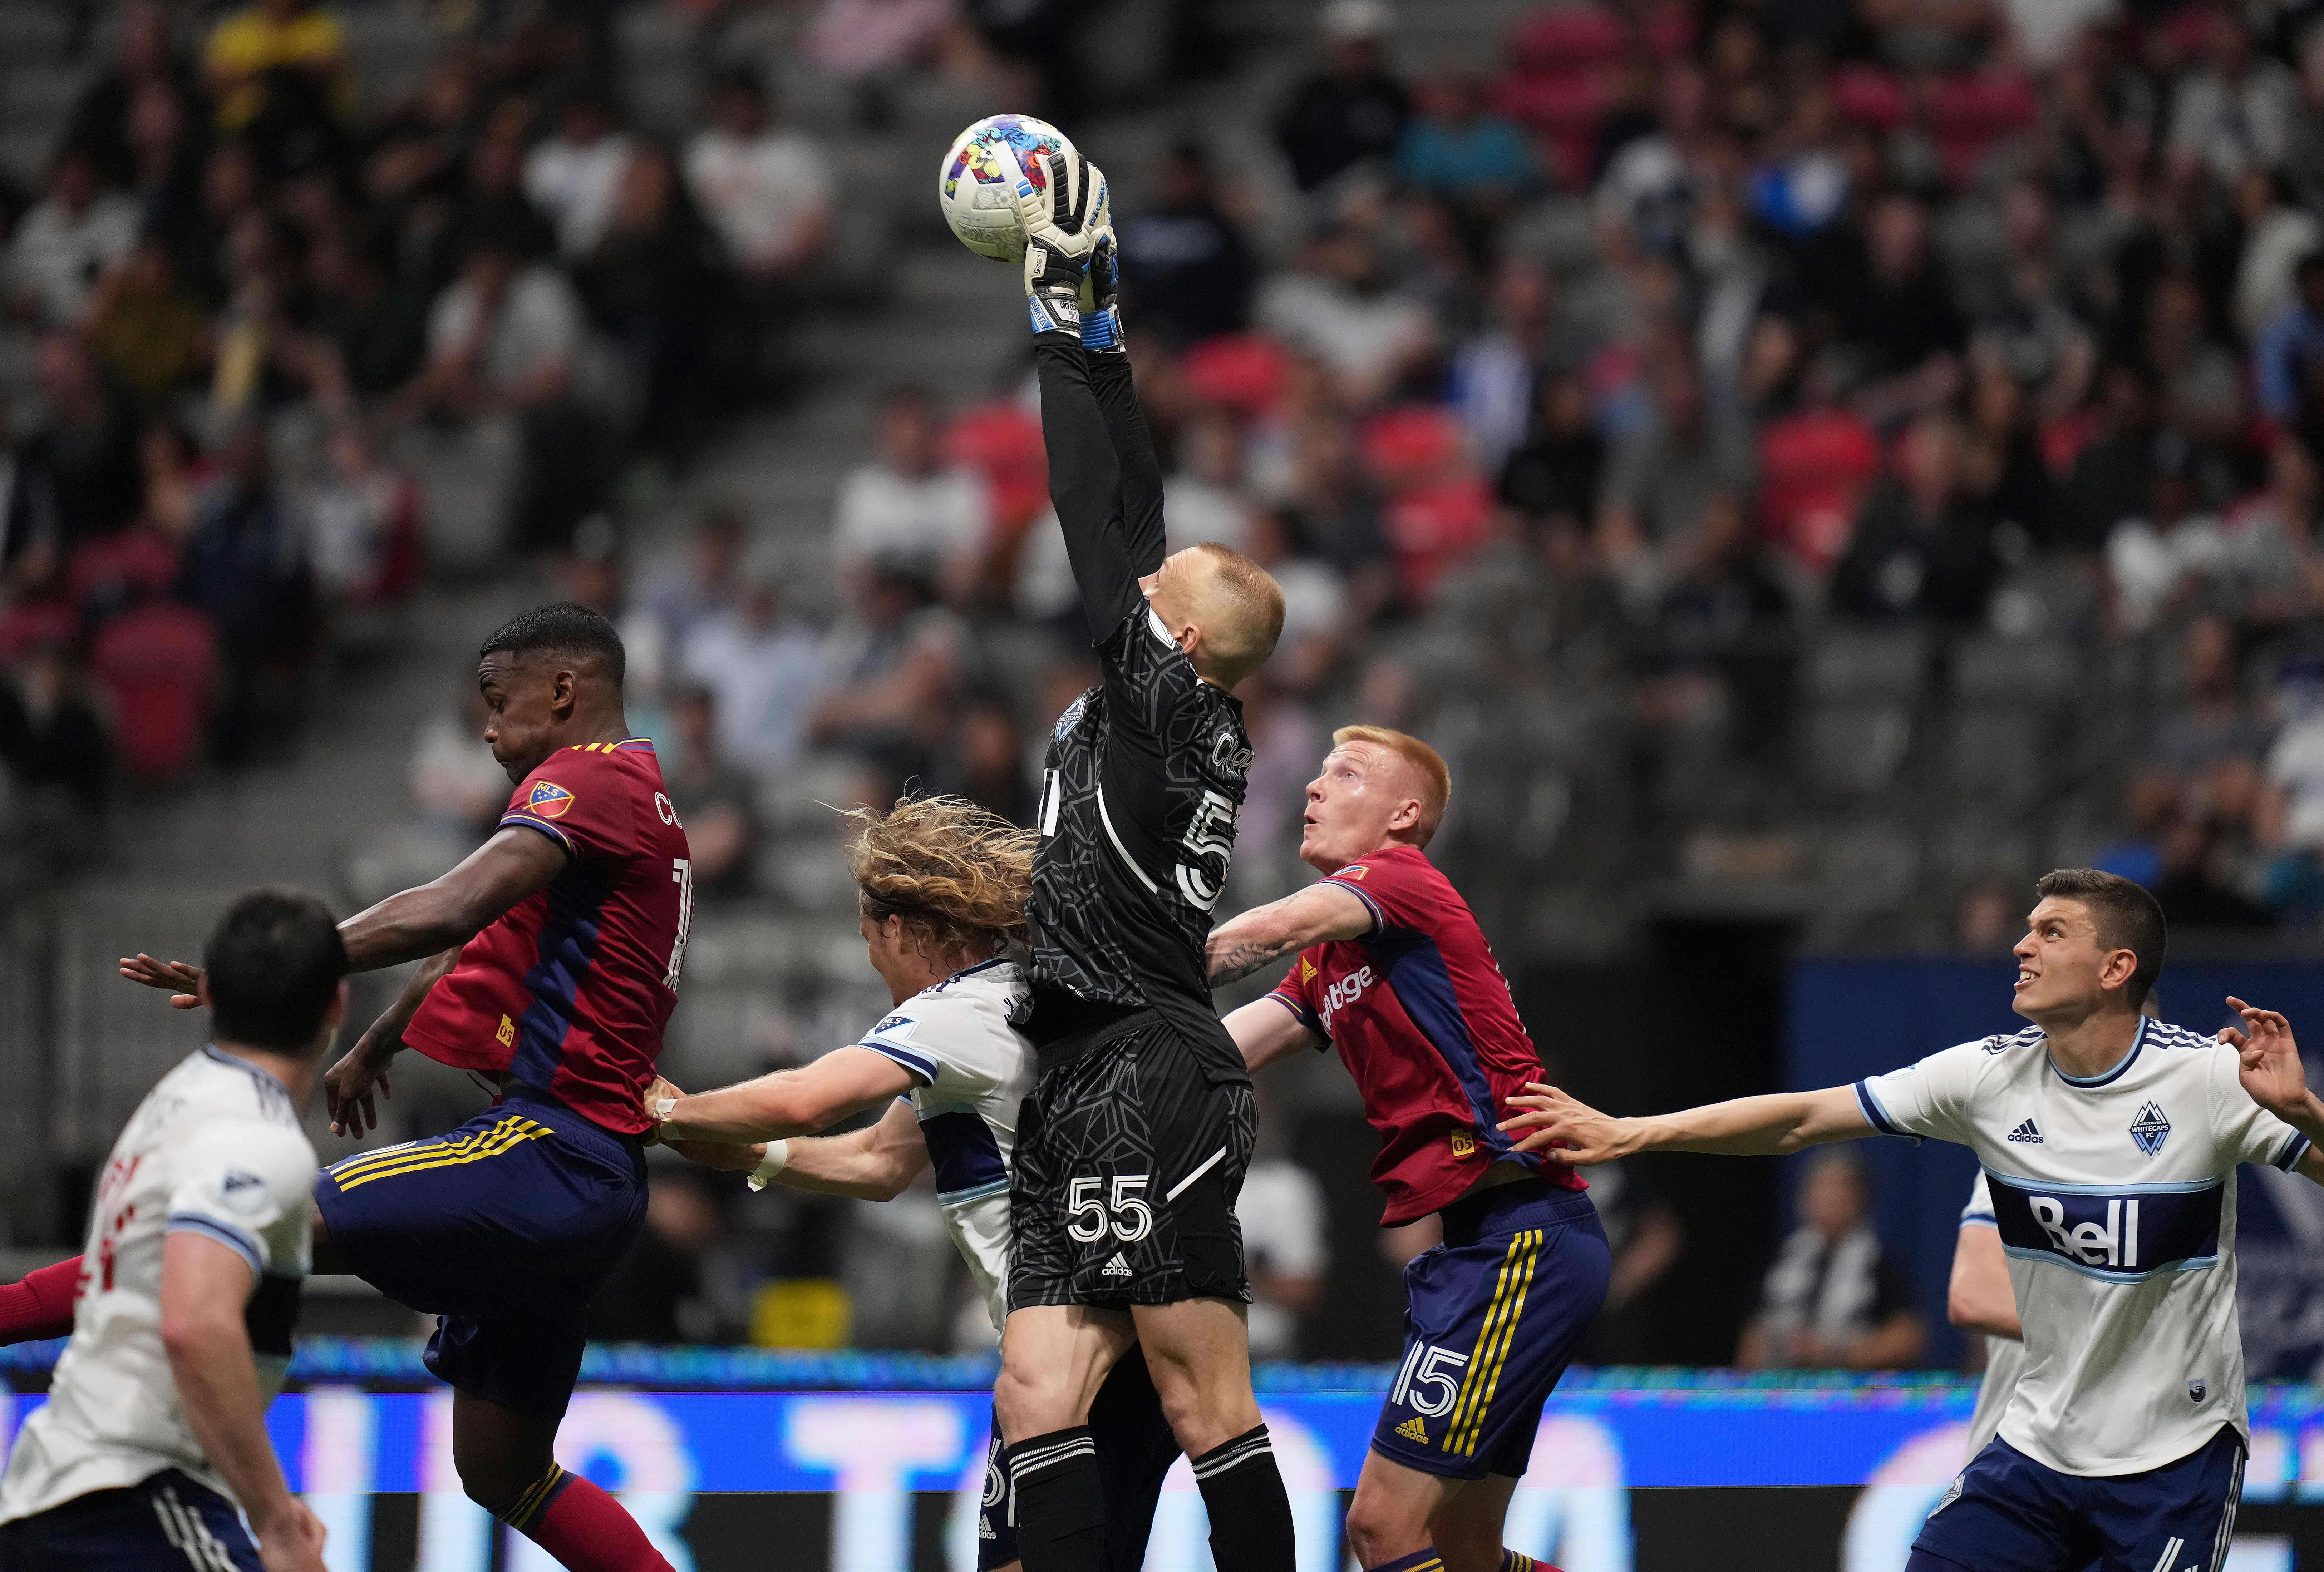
[
  {"x": 2115, "y": 1195},
  {"x": 216, "y": 1149},
  {"x": 975, "y": 1070},
  {"x": 2005, "y": 1357}
]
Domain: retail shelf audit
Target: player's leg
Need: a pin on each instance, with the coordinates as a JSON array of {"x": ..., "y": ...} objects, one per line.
[
  {"x": 1190, "y": 1296},
  {"x": 1135, "y": 1452},
  {"x": 2181, "y": 1516},
  {"x": 996, "y": 1515},
  {"x": 508, "y": 1467},
  {"x": 1054, "y": 1358},
  {"x": 1493, "y": 1314},
  {"x": 168, "y": 1523},
  {"x": 2005, "y": 1512}
]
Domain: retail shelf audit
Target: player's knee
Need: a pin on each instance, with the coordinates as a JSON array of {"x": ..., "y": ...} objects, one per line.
[
  {"x": 497, "y": 1483},
  {"x": 1029, "y": 1400},
  {"x": 1380, "y": 1529}
]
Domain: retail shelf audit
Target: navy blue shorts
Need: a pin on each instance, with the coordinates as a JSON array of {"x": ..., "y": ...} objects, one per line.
[
  {"x": 1496, "y": 1312},
  {"x": 166, "y": 1524},
  {"x": 504, "y": 1230},
  {"x": 2005, "y": 1512},
  {"x": 1135, "y": 1449}
]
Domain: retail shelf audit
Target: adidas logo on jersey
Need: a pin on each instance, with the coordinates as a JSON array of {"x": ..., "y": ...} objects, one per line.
[
  {"x": 1117, "y": 1268},
  {"x": 1413, "y": 1430},
  {"x": 2026, "y": 1133}
]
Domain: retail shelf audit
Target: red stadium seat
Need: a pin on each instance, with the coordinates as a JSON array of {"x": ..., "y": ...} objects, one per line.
[
  {"x": 1567, "y": 38},
  {"x": 1431, "y": 528},
  {"x": 135, "y": 565},
  {"x": 31, "y": 624},
  {"x": 158, "y": 665},
  {"x": 1412, "y": 446},
  {"x": 1813, "y": 467},
  {"x": 1968, "y": 113},
  {"x": 1002, "y": 442},
  {"x": 1244, "y": 372},
  {"x": 1869, "y": 97}
]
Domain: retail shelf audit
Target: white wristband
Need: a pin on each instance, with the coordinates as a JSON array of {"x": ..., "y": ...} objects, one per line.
[{"x": 778, "y": 1155}]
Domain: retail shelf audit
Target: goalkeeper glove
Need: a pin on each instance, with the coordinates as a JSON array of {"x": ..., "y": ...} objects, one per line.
[
  {"x": 1058, "y": 238},
  {"x": 1102, "y": 284}
]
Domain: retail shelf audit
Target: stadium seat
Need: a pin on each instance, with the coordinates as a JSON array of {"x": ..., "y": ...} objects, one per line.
[
  {"x": 1245, "y": 372},
  {"x": 1568, "y": 38},
  {"x": 158, "y": 663},
  {"x": 1814, "y": 468},
  {"x": 1412, "y": 446},
  {"x": 1968, "y": 113},
  {"x": 1002, "y": 442},
  {"x": 1433, "y": 527},
  {"x": 31, "y": 624},
  {"x": 1870, "y": 97},
  {"x": 117, "y": 571}
]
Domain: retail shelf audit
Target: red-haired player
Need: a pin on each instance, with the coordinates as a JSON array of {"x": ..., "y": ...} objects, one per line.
[{"x": 1393, "y": 970}]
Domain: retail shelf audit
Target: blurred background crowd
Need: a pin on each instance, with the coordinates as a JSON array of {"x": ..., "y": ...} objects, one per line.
[{"x": 1810, "y": 463}]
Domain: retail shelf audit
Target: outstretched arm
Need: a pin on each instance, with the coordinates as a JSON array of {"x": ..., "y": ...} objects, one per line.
[
  {"x": 789, "y": 1102},
  {"x": 1768, "y": 1126},
  {"x": 1265, "y": 1031},
  {"x": 877, "y": 1162},
  {"x": 2268, "y": 1065},
  {"x": 1133, "y": 451},
  {"x": 1085, "y": 486},
  {"x": 442, "y": 915},
  {"x": 1322, "y": 911}
]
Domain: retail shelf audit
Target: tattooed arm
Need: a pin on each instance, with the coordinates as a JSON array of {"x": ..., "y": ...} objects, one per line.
[{"x": 1269, "y": 932}]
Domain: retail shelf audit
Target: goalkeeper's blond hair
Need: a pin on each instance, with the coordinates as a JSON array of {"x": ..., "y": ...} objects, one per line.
[{"x": 959, "y": 876}]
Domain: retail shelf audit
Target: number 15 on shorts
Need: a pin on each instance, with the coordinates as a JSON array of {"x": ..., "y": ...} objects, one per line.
[
  {"x": 1429, "y": 1381},
  {"x": 1123, "y": 1213}
]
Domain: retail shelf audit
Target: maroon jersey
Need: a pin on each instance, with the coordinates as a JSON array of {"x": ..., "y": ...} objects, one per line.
[
  {"x": 1424, "y": 1021},
  {"x": 569, "y": 989}
]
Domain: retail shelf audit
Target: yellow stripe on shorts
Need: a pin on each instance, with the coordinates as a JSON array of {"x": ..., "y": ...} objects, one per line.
[
  {"x": 504, "y": 1136},
  {"x": 1492, "y": 1380},
  {"x": 1470, "y": 1377}
]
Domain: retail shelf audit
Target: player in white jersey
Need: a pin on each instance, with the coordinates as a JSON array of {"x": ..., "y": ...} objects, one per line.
[
  {"x": 941, "y": 888},
  {"x": 2109, "y": 1143},
  {"x": 154, "y": 1433},
  {"x": 1979, "y": 1299}
]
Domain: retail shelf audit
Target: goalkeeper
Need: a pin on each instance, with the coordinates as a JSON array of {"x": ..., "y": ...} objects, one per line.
[{"x": 1131, "y": 1149}]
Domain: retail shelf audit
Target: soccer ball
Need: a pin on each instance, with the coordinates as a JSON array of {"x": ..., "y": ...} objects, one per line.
[{"x": 977, "y": 186}]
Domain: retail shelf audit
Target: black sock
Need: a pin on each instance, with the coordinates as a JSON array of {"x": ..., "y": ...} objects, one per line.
[
  {"x": 1059, "y": 1502},
  {"x": 1250, "y": 1512}
]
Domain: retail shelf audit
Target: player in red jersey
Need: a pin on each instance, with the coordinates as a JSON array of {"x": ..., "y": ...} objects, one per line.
[
  {"x": 1393, "y": 970},
  {"x": 550, "y": 963}
]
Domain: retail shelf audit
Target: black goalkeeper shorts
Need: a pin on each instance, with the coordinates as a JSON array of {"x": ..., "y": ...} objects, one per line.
[{"x": 1130, "y": 1156}]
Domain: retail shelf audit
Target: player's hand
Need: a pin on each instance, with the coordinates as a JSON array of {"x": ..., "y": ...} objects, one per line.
[
  {"x": 293, "y": 1540},
  {"x": 1101, "y": 283},
  {"x": 2268, "y": 1061},
  {"x": 1059, "y": 237},
  {"x": 719, "y": 1156},
  {"x": 1564, "y": 1130},
  {"x": 184, "y": 982},
  {"x": 651, "y": 1101},
  {"x": 350, "y": 1085}
]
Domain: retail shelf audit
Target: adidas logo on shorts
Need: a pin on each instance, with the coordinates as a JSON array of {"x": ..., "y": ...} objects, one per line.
[
  {"x": 1413, "y": 1430},
  {"x": 1117, "y": 1268}
]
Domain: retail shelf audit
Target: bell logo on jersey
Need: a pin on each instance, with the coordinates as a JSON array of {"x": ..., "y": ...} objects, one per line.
[
  {"x": 1343, "y": 993},
  {"x": 2121, "y": 1237},
  {"x": 2150, "y": 1129},
  {"x": 547, "y": 800}
]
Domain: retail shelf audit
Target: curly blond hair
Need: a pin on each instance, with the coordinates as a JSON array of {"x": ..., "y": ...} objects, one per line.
[{"x": 960, "y": 875}]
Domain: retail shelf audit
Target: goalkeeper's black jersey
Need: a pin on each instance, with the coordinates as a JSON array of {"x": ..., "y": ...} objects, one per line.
[
  {"x": 1146, "y": 772},
  {"x": 1145, "y": 776}
]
